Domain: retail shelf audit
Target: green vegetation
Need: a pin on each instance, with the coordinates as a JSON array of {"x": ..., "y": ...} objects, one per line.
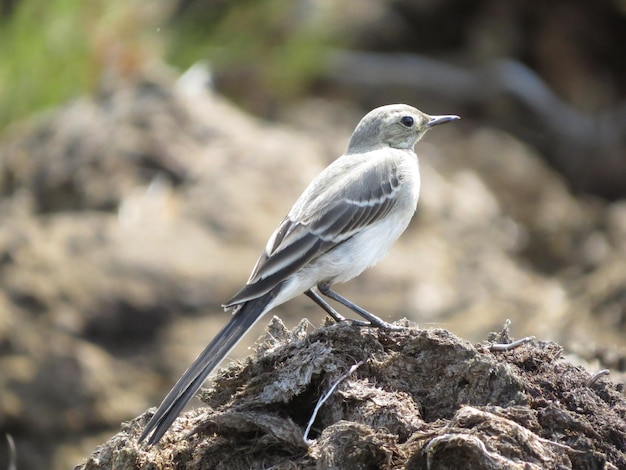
[
  {"x": 272, "y": 44},
  {"x": 46, "y": 56},
  {"x": 58, "y": 49}
]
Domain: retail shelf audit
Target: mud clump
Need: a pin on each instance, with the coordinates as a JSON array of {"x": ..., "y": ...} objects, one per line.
[{"x": 420, "y": 399}]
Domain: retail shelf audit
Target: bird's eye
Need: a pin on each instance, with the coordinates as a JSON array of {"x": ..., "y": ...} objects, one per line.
[{"x": 407, "y": 121}]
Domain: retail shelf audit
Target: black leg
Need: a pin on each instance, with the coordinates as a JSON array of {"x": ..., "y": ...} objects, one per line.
[
  {"x": 315, "y": 297},
  {"x": 370, "y": 317}
]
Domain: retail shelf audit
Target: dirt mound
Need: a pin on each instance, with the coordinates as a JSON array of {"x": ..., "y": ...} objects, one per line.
[{"x": 415, "y": 399}]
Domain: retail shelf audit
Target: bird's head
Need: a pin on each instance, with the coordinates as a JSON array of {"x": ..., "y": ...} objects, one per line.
[{"x": 397, "y": 126}]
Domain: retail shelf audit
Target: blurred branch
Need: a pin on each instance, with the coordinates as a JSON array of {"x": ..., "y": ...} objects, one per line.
[{"x": 586, "y": 149}]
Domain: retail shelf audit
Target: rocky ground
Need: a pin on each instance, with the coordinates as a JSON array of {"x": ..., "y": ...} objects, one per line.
[{"x": 128, "y": 218}]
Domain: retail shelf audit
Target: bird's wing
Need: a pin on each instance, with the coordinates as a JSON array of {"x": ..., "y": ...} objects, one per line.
[{"x": 350, "y": 206}]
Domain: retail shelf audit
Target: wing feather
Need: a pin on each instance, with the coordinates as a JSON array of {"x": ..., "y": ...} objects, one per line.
[{"x": 355, "y": 206}]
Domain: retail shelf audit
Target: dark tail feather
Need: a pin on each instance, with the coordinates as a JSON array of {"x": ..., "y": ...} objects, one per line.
[{"x": 205, "y": 363}]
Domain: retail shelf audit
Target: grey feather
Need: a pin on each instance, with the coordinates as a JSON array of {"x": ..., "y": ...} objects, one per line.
[{"x": 364, "y": 198}]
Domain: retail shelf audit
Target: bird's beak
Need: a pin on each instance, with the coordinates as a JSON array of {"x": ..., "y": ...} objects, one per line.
[{"x": 436, "y": 120}]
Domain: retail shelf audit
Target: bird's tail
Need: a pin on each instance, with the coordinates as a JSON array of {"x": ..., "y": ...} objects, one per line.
[{"x": 205, "y": 363}]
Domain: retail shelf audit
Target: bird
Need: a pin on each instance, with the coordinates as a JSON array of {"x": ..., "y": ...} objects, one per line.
[{"x": 345, "y": 221}]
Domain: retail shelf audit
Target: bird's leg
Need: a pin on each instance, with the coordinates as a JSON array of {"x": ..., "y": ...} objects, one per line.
[
  {"x": 370, "y": 317},
  {"x": 315, "y": 297}
]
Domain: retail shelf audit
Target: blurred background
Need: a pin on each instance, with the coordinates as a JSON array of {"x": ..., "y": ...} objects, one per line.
[{"x": 149, "y": 148}]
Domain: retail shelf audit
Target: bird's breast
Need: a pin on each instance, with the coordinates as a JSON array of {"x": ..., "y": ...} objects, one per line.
[{"x": 370, "y": 246}]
